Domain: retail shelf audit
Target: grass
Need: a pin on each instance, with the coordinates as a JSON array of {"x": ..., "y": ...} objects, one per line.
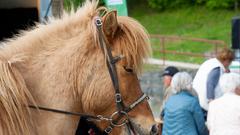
[
  {"x": 197, "y": 22},
  {"x": 183, "y": 47}
]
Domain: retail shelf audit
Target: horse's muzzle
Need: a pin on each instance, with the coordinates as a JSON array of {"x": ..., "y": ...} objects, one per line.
[{"x": 155, "y": 130}]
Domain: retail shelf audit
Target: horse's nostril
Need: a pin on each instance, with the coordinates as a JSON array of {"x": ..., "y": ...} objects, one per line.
[{"x": 154, "y": 130}]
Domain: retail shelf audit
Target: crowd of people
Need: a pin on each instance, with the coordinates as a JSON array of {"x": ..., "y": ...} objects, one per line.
[{"x": 205, "y": 105}]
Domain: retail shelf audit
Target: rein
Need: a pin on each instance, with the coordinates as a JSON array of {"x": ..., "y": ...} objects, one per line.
[
  {"x": 112, "y": 121},
  {"x": 118, "y": 118}
]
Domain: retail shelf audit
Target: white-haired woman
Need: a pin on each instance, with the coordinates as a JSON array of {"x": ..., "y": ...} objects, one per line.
[
  {"x": 224, "y": 112},
  {"x": 182, "y": 114}
]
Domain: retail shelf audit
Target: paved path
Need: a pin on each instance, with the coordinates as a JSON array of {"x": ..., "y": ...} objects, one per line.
[{"x": 172, "y": 63}]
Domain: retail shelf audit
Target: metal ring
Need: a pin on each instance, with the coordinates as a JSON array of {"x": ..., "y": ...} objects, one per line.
[
  {"x": 123, "y": 122},
  {"x": 98, "y": 22}
]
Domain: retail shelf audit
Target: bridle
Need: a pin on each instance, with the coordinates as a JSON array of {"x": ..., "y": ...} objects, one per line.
[
  {"x": 120, "y": 117},
  {"x": 122, "y": 110}
]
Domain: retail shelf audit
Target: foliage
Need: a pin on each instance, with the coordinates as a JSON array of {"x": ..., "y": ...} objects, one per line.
[
  {"x": 163, "y": 4},
  {"x": 69, "y": 4},
  {"x": 157, "y": 4},
  {"x": 220, "y": 3}
]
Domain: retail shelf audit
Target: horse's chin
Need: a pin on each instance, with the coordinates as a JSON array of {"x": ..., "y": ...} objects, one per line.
[{"x": 139, "y": 129}]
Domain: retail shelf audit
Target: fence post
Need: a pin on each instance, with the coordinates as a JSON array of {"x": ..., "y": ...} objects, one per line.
[
  {"x": 162, "y": 43},
  {"x": 216, "y": 49}
]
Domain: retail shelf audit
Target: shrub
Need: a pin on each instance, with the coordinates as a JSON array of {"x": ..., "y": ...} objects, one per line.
[
  {"x": 220, "y": 3},
  {"x": 163, "y": 4},
  {"x": 212, "y": 4}
]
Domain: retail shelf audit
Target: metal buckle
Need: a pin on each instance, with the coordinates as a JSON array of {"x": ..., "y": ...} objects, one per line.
[
  {"x": 147, "y": 97},
  {"x": 98, "y": 22},
  {"x": 118, "y": 97},
  {"x": 108, "y": 130},
  {"x": 123, "y": 122}
]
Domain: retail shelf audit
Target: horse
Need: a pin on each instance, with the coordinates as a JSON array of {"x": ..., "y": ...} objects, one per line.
[{"x": 61, "y": 65}]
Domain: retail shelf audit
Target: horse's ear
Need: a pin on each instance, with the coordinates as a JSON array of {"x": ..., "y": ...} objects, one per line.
[{"x": 110, "y": 23}]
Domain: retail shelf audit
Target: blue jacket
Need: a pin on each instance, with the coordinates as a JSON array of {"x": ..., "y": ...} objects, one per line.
[{"x": 182, "y": 115}]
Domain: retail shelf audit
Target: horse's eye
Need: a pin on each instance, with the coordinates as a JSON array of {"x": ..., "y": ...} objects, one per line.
[{"x": 127, "y": 69}]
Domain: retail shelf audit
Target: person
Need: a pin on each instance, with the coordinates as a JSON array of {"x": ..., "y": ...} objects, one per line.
[
  {"x": 224, "y": 112},
  {"x": 167, "y": 75},
  {"x": 182, "y": 114},
  {"x": 206, "y": 80}
]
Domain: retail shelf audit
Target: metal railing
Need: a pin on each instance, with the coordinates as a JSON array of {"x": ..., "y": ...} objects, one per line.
[{"x": 163, "y": 39}]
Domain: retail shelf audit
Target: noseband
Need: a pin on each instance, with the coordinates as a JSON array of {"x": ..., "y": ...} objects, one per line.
[{"x": 120, "y": 117}]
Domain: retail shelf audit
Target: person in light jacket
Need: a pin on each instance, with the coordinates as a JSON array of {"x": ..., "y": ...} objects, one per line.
[
  {"x": 224, "y": 112},
  {"x": 182, "y": 114},
  {"x": 207, "y": 77}
]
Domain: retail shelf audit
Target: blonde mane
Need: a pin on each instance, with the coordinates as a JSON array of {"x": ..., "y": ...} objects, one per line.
[
  {"x": 48, "y": 55},
  {"x": 134, "y": 43}
]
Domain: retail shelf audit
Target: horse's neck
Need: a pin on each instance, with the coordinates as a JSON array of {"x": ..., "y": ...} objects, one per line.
[
  {"x": 48, "y": 73},
  {"x": 56, "y": 71}
]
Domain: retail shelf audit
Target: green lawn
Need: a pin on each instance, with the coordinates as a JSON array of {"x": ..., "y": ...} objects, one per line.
[{"x": 197, "y": 22}]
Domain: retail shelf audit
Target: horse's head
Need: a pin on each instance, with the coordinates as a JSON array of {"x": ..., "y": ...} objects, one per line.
[{"x": 122, "y": 36}]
